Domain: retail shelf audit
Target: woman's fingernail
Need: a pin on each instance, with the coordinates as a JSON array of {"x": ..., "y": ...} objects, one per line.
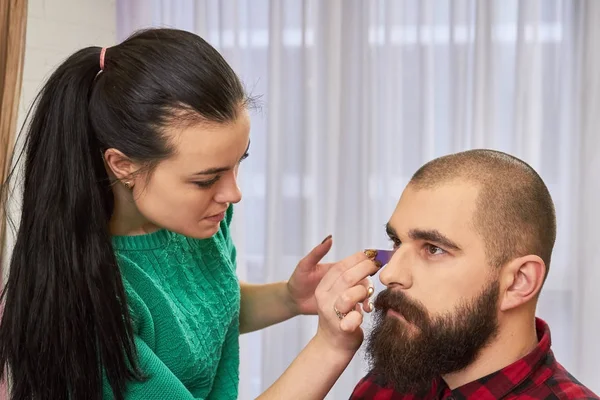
[
  {"x": 326, "y": 239},
  {"x": 370, "y": 253},
  {"x": 370, "y": 292},
  {"x": 371, "y": 306}
]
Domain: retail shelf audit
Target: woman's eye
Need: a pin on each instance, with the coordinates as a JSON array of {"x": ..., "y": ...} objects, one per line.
[{"x": 207, "y": 184}]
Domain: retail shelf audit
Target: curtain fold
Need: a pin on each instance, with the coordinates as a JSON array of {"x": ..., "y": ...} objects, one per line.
[{"x": 586, "y": 261}]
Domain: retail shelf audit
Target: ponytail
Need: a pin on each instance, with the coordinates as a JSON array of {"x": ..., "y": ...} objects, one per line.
[{"x": 65, "y": 321}]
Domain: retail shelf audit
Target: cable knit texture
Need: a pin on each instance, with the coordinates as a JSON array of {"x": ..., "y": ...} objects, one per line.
[{"x": 184, "y": 298}]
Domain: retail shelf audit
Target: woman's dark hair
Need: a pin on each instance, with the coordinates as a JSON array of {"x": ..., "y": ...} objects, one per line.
[{"x": 66, "y": 321}]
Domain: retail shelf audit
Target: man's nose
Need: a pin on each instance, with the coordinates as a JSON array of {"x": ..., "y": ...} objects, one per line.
[{"x": 398, "y": 271}]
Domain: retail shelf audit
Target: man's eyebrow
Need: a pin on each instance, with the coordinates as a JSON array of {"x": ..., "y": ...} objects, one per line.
[
  {"x": 212, "y": 171},
  {"x": 433, "y": 235}
]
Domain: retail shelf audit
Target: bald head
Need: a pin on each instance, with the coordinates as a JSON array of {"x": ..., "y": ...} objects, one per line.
[{"x": 515, "y": 213}]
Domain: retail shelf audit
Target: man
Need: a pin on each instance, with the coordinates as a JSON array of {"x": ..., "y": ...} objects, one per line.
[{"x": 473, "y": 234}]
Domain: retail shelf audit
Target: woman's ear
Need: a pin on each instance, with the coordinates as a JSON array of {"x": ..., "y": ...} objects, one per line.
[{"x": 119, "y": 164}]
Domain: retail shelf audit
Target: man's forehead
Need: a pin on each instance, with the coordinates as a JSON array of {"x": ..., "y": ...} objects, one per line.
[
  {"x": 453, "y": 195},
  {"x": 448, "y": 209}
]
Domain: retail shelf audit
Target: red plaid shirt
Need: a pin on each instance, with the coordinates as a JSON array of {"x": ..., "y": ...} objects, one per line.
[{"x": 536, "y": 376}]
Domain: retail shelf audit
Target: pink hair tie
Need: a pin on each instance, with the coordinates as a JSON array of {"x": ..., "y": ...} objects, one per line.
[{"x": 102, "y": 53}]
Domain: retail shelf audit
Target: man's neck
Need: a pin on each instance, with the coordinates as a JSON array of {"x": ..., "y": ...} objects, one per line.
[{"x": 513, "y": 342}]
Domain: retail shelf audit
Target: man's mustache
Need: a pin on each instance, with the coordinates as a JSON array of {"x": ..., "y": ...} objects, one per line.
[{"x": 397, "y": 301}]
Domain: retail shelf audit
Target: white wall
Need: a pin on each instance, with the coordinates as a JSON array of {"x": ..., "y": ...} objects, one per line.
[{"x": 56, "y": 29}]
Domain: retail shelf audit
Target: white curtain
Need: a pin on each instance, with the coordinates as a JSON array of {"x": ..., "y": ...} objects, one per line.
[{"x": 358, "y": 94}]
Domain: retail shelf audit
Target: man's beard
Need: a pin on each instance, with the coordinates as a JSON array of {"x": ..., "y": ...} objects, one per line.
[{"x": 411, "y": 357}]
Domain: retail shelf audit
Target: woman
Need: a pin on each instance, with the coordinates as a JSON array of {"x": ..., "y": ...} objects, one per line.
[{"x": 122, "y": 281}]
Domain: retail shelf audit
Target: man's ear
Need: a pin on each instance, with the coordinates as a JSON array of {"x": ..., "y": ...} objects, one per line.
[
  {"x": 521, "y": 280},
  {"x": 121, "y": 166}
]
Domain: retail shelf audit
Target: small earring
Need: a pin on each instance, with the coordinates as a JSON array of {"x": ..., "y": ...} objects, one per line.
[{"x": 128, "y": 185}]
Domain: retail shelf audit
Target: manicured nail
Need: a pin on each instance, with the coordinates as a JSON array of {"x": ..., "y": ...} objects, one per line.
[
  {"x": 370, "y": 253},
  {"x": 371, "y": 306},
  {"x": 326, "y": 239},
  {"x": 370, "y": 292}
]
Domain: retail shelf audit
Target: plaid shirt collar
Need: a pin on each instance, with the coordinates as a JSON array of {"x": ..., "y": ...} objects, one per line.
[
  {"x": 534, "y": 369},
  {"x": 505, "y": 381}
]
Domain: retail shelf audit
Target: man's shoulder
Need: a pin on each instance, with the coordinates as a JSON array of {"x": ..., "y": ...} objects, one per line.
[
  {"x": 555, "y": 382},
  {"x": 566, "y": 386}
]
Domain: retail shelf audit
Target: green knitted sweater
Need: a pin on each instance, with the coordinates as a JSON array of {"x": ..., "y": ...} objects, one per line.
[{"x": 184, "y": 298}]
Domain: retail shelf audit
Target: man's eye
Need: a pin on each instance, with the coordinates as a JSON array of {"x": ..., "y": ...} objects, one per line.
[
  {"x": 433, "y": 250},
  {"x": 395, "y": 242}
]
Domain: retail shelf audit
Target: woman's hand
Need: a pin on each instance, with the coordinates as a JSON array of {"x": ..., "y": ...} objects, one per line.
[
  {"x": 338, "y": 297},
  {"x": 306, "y": 277}
]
